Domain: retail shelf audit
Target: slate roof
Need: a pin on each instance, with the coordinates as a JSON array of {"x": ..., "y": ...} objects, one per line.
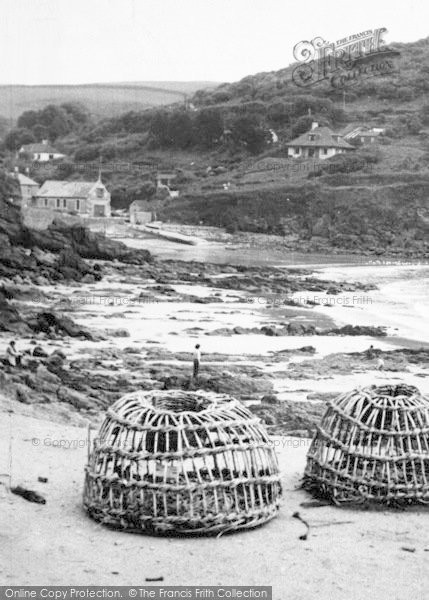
[
  {"x": 370, "y": 133},
  {"x": 352, "y": 128},
  {"x": 39, "y": 148},
  {"x": 323, "y": 138},
  {"x": 66, "y": 189},
  {"x": 23, "y": 179},
  {"x": 140, "y": 205}
]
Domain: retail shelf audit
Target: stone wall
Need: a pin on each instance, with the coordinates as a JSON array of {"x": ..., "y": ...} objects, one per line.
[{"x": 41, "y": 218}]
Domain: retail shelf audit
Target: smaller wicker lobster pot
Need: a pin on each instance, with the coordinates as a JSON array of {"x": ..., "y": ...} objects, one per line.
[
  {"x": 372, "y": 447},
  {"x": 173, "y": 462}
]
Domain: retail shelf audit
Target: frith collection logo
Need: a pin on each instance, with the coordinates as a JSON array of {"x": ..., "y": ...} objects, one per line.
[{"x": 343, "y": 62}]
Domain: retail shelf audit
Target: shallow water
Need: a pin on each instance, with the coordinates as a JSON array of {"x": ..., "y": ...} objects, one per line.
[{"x": 401, "y": 302}]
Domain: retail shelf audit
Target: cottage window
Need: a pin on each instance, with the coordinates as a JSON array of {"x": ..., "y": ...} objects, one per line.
[
  {"x": 45, "y": 201},
  {"x": 311, "y": 152},
  {"x": 99, "y": 192},
  {"x": 311, "y": 137},
  {"x": 77, "y": 204},
  {"x": 51, "y": 156},
  {"x": 64, "y": 203},
  {"x": 325, "y": 150},
  {"x": 296, "y": 150},
  {"x": 58, "y": 203}
]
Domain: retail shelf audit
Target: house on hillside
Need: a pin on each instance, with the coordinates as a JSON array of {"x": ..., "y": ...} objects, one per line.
[
  {"x": 40, "y": 152},
  {"x": 165, "y": 178},
  {"x": 141, "y": 212},
  {"x": 368, "y": 137},
  {"x": 361, "y": 135},
  {"x": 165, "y": 183},
  {"x": 87, "y": 199},
  {"x": 319, "y": 142},
  {"x": 28, "y": 188}
]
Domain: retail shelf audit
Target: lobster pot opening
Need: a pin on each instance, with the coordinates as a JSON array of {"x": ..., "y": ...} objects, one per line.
[
  {"x": 181, "y": 462},
  {"x": 372, "y": 446}
]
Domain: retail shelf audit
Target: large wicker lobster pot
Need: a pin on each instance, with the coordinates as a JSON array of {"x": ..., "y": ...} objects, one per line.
[
  {"x": 173, "y": 462},
  {"x": 372, "y": 446}
]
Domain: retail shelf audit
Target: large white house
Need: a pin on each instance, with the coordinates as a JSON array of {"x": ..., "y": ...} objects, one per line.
[
  {"x": 318, "y": 143},
  {"x": 87, "y": 199},
  {"x": 41, "y": 152}
]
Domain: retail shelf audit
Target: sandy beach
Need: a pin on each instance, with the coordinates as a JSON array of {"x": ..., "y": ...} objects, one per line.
[
  {"x": 348, "y": 553},
  {"x": 214, "y": 299}
]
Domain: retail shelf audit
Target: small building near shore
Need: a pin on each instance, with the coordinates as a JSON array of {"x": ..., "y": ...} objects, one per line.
[
  {"x": 141, "y": 212},
  {"x": 86, "y": 199}
]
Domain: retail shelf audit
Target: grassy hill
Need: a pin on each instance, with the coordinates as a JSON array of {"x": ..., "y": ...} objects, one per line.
[
  {"x": 102, "y": 99},
  {"x": 224, "y": 138}
]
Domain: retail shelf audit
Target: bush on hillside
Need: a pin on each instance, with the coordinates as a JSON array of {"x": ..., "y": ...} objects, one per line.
[
  {"x": 87, "y": 152},
  {"x": 248, "y": 131},
  {"x": 208, "y": 127},
  {"x": 54, "y": 121},
  {"x": 18, "y": 137}
]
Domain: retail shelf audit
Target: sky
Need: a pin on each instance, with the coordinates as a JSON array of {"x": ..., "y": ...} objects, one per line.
[{"x": 88, "y": 41}]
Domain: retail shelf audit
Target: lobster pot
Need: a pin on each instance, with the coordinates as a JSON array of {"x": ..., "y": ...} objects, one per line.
[
  {"x": 174, "y": 462},
  {"x": 372, "y": 446}
]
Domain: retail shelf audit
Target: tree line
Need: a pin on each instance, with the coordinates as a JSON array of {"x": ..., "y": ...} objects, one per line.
[{"x": 49, "y": 123}]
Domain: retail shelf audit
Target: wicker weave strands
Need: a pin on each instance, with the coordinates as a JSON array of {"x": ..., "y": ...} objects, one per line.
[
  {"x": 372, "y": 446},
  {"x": 176, "y": 462}
]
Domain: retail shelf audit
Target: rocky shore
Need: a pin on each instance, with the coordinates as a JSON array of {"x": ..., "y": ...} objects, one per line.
[
  {"x": 90, "y": 355},
  {"x": 90, "y": 384},
  {"x": 42, "y": 257}
]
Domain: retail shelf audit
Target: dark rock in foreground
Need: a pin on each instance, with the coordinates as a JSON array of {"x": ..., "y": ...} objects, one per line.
[
  {"x": 56, "y": 254},
  {"x": 287, "y": 417},
  {"x": 49, "y": 322}
]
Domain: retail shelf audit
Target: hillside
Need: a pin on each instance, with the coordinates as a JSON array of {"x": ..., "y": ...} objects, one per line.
[
  {"x": 231, "y": 172},
  {"x": 373, "y": 215},
  {"x": 102, "y": 99}
]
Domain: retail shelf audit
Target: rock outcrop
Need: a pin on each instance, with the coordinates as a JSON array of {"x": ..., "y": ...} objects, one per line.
[
  {"x": 42, "y": 257},
  {"x": 300, "y": 329}
]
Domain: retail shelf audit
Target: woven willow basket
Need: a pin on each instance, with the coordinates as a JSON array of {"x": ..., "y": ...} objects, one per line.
[
  {"x": 173, "y": 462},
  {"x": 372, "y": 446}
]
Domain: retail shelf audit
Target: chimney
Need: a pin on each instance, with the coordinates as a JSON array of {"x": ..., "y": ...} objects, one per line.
[
  {"x": 314, "y": 125},
  {"x": 27, "y": 170},
  {"x": 45, "y": 142},
  {"x": 16, "y": 172}
]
